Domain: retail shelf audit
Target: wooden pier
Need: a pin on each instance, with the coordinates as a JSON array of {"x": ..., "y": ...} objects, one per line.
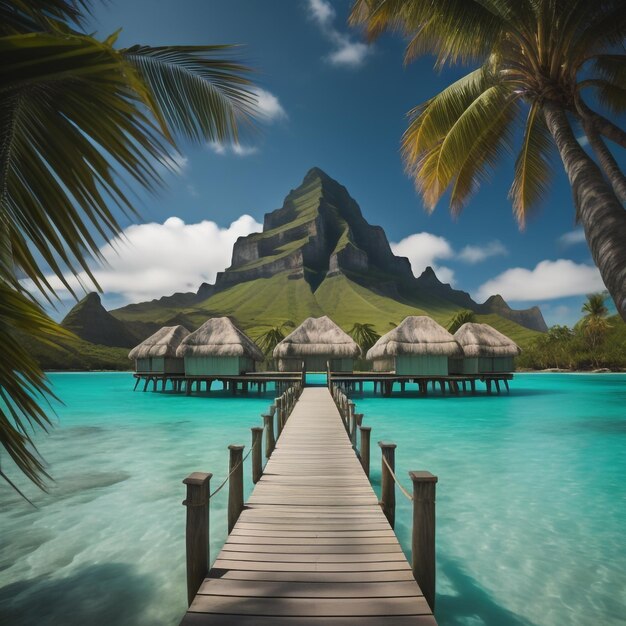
[
  {"x": 384, "y": 382},
  {"x": 244, "y": 383},
  {"x": 312, "y": 545}
]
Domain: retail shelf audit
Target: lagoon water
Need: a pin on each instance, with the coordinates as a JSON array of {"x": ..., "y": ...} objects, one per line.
[{"x": 531, "y": 500}]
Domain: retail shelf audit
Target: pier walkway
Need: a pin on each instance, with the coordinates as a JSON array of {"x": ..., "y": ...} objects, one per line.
[{"x": 312, "y": 546}]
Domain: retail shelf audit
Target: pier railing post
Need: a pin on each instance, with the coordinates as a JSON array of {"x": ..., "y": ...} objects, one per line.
[
  {"x": 365, "y": 448},
  {"x": 423, "y": 540},
  {"x": 352, "y": 423},
  {"x": 257, "y": 462},
  {"x": 197, "y": 531},
  {"x": 279, "y": 415},
  {"x": 235, "y": 485},
  {"x": 388, "y": 486},
  {"x": 270, "y": 441}
]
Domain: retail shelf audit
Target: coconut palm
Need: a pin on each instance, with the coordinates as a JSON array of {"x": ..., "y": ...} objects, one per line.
[
  {"x": 82, "y": 120},
  {"x": 365, "y": 335},
  {"x": 539, "y": 60},
  {"x": 594, "y": 324},
  {"x": 270, "y": 338},
  {"x": 461, "y": 317}
]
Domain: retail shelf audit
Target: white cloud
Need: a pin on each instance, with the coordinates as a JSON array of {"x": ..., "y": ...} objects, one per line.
[
  {"x": 152, "y": 260},
  {"x": 242, "y": 151},
  {"x": 572, "y": 237},
  {"x": 582, "y": 140},
  {"x": 268, "y": 105},
  {"x": 231, "y": 148},
  {"x": 321, "y": 11},
  {"x": 347, "y": 52},
  {"x": 547, "y": 281},
  {"x": 476, "y": 254},
  {"x": 351, "y": 53},
  {"x": 423, "y": 249}
]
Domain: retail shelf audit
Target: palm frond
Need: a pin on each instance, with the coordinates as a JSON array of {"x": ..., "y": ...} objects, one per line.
[
  {"x": 482, "y": 159},
  {"x": 199, "y": 92},
  {"x": 533, "y": 168},
  {"x": 54, "y": 198},
  {"x": 453, "y": 31},
  {"x": 461, "y": 317},
  {"x": 24, "y": 390},
  {"x": 434, "y": 170},
  {"x": 27, "y": 16}
]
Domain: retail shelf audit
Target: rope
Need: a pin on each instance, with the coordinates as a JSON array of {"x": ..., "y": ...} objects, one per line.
[
  {"x": 233, "y": 470},
  {"x": 395, "y": 478}
]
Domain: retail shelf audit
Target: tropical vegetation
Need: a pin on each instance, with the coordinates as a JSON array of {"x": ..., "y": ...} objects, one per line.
[
  {"x": 65, "y": 162},
  {"x": 365, "y": 335},
  {"x": 595, "y": 342},
  {"x": 556, "y": 67},
  {"x": 464, "y": 316}
]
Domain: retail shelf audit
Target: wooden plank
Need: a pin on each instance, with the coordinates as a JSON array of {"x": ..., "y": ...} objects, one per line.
[
  {"x": 290, "y": 589},
  {"x": 207, "y": 619},
  {"x": 302, "y": 566},
  {"x": 320, "y": 607},
  {"x": 311, "y": 548},
  {"x": 337, "y": 578}
]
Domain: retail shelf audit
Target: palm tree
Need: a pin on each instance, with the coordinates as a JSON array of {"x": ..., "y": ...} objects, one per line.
[
  {"x": 269, "y": 339},
  {"x": 594, "y": 324},
  {"x": 365, "y": 335},
  {"x": 81, "y": 120},
  {"x": 459, "y": 318},
  {"x": 538, "y": 58}
]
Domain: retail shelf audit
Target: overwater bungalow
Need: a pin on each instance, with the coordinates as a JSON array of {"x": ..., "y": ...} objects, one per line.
[
  {"x": 485, "y": 351},
  {"x": 157, "y": 354},
  {"x": 218, "y": 347},
  {"x": 316, "y": 342},
  {"x": 418, "y": 346}
]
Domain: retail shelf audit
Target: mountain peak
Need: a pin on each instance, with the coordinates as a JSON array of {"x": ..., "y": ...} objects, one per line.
[
  {"x": 90, "y": 321},
  {"x": 319, "y": 231}
]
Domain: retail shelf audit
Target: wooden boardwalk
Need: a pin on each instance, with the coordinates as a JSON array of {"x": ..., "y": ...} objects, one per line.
[{"x": 312, "y": 545}]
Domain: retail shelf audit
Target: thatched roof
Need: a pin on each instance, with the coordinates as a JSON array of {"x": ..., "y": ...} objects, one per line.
[
  {"x": 482, "y": 340},
  {"x": 162, "y": 344},
  {"x": 416, "y": 335},
  {"x": 218, "y": 336},
  {"x": 317, "y": 336}
]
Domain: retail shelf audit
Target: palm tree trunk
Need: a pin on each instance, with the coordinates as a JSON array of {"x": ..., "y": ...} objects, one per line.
[
  {"x": 600, "y": 212},
  {"x": 606, "y": 159},
  {"x": 609, "y": 130}
]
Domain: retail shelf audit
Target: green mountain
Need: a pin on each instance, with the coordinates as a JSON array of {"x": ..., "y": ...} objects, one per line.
[
  {"x": 318, "y": 255},
  {"x": 90, "y": 321}
]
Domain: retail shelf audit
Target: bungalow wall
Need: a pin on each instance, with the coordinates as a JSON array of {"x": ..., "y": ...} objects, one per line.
[
  {"x": 496, "y": 364},
  {"x": 418, "y": 365},
  {"x": 463, "y": 365},
  {"x": 217, "y": 365},
  {"x": 422, "y": 364},
  {"x": 160, "y": 365}
]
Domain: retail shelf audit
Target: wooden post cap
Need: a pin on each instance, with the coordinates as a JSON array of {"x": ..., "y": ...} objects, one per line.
[
  {"x": 197, "y": 478},
  {"x": 367, "y": 428},
  {"x": 257, "y": 429},
  {"x": 387, "y": 444},
  {"x": 235, "y": 447},
  {"x": 423, "y": 477}
]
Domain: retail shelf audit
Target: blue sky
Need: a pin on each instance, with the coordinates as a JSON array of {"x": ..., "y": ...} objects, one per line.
[{"x": 332, "y": 102}]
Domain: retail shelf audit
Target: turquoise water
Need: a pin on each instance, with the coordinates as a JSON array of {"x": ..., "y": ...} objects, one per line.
[{"x": 531, "y": 506}]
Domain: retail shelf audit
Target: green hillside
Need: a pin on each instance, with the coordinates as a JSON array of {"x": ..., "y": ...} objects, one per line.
[
  {"x": 77, "y": 354},
  {"x": 266, "y": 302}
]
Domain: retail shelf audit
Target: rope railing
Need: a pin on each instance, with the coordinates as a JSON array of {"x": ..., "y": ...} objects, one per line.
[
  {"x": 407, "y": 495},
  {"x": 216, "y": 491}
]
